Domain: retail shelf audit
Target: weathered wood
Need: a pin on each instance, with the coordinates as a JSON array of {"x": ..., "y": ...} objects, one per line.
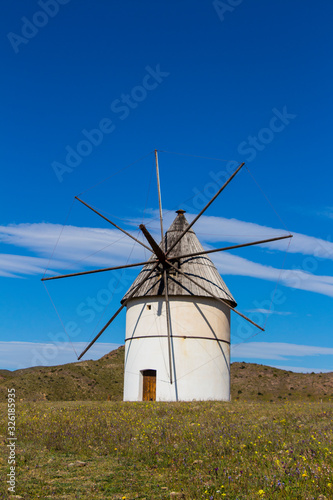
[
  {"x": 159, "y": 198},
  {"x": 112, "y": 223},
  {"x": 157, "y": 250},
  {"x": 167, "y": 307},
  {"x": 97, "y": 271},
  {"x": 149, "y": 385},
  {"x": 117, "y": 312},
  {"x": 231, "y": 247},
  {"x": 205, "y": 207},
  {"x": 217, "y": 298}
]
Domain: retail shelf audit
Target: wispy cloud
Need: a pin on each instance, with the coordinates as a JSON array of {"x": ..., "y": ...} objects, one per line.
[
  {"x": 236, "y": 231},
  {"x": 78, "y": 248},
  {"x": 293, "y": 278},
  {"x": 311, "y": 211},
  {"x": 211, "y": 229},
  {"x": 277, "y": 350},
  {"x": 327, "y": 212},
  {"x": 43, "y": 237},
  {"x": 15, "y": 266},
  {"x": 270, "y": 311},
  {"x": 87, "y": 247}
]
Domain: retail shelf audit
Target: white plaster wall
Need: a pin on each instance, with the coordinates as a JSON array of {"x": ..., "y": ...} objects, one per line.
[{"x": 200, "y": 366}]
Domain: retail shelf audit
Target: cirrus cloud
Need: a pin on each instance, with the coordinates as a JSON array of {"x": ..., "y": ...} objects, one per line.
[{"x": 90, "y": 247}]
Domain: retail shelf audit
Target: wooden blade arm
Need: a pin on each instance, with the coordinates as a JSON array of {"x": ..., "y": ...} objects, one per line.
[
  {"x": 231, "y": 247},
  {"x": 205, "y": 208},
  {"x": 167, "y": 306},
  {"x": 103, "y": 329},
  {"x": 139, "y": 285},
  {"x": 157, "y": 250},
  {"x": 214, "y": 296},
  {"x": 98, "y": 270},
  {"x": 159, "y": 198},
  {"x": 112, "y": 223}
]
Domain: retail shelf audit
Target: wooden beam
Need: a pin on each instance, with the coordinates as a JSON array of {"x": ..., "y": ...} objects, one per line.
[
  {"x": 167, "y": 306},
  {"x": 215, "y": 297},
  {"x": 112, "y": 223},
  {"x": 139, "y": 285},
  {"x": 205, "y": 208},
  {"x": 231, "y": 247},
  {"x": 157, "y": 250},
  {"x": 98, "y": 270},
  {"x": 159, "y": 199}
]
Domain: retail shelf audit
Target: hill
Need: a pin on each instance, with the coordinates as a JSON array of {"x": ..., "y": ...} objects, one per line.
[
  {"x": 252, "y": 381},
  {"x": 84, "y": 380},
  {"x": 103, "y": 380}
]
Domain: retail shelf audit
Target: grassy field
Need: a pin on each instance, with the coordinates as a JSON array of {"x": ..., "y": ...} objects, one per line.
[{"x": 199, "y": 450}]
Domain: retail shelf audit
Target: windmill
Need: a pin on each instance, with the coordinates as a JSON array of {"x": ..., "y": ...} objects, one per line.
[{"x": 177, "y": 343}]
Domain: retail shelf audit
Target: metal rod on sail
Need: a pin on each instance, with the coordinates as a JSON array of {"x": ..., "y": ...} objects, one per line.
[
  {"x": 113, "y": 224},
  {"x": 205, "y": 208},
  {"x": 214, "y": 296},
  {"x": 159, "y": 198},
  {"x": 167, "y": 305},
  {"x": 119, "y": 310},
  {"x": 98, "y": 270},
  {"x": 230, "y": 248}
]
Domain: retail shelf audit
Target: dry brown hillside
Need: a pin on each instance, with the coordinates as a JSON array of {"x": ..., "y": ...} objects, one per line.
[{"x": 103, "y": 379}]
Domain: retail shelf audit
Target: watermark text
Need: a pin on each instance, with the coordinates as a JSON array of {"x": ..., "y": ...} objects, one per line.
[{"x": 11, "y": 419}]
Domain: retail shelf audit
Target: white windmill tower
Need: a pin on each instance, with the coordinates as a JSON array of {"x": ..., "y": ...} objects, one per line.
[
  {"x": 177, "y": 344},
  {"x": 192, "y": 359}
]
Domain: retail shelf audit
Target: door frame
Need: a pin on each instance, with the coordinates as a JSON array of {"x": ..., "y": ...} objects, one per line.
[{"x": 148, "y": 372}]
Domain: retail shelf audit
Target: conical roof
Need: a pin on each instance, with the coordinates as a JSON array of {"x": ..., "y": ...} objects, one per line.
[{"x": 201, "y": 269}]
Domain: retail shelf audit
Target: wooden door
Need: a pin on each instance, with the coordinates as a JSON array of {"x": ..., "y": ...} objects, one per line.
[{"x": 149, "y": 385}]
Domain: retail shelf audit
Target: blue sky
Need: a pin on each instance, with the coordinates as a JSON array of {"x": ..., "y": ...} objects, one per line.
[{"x": 90, "y": 89}]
